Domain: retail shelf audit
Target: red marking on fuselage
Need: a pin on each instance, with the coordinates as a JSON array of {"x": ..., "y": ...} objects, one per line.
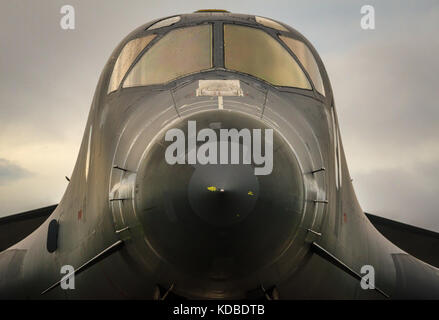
[
  {"x": 345, "y": 218},
  {"x": 80, "y": 214}
]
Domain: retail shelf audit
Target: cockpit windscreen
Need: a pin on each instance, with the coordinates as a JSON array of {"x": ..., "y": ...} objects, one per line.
[{"x": 180, "y": 52}]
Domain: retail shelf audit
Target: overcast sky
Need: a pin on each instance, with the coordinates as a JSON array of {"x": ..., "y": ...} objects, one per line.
[{"x": 385, "y": 83}]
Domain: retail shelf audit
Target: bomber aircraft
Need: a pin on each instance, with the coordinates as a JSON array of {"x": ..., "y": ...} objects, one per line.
[{"x": 212, "y": 167}]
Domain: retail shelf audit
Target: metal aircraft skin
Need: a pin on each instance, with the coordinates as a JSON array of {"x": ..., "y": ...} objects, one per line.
[{"x": 134, "y": 226}]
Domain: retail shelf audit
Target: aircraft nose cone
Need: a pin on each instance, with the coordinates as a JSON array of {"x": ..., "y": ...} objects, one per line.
[{"x": 219, "y": 220}]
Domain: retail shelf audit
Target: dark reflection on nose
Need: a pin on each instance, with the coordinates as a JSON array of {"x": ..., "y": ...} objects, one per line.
[
  {"x": 219, "y": 220},
  {"x": 223, "y": 194}
]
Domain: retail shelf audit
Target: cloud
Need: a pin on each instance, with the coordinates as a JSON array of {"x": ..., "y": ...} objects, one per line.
[
  {"x": 408, "y": 195},
  {"x": 386, "y": 93},
  {"x": 10, "y": 172}
]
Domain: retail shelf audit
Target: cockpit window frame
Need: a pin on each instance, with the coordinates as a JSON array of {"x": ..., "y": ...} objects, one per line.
[
  {"x": 159, "y": 34},
  {"x": 157, "y": 37},
  {"x": 218, "y": 58},
  {"x": 298, "y": 37},
  {"x": 129, "y": 49},
  {"x": 206, "y": 28},
  {"x": 312, "y": 63},
  {"x": 273, "y": 33}
]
